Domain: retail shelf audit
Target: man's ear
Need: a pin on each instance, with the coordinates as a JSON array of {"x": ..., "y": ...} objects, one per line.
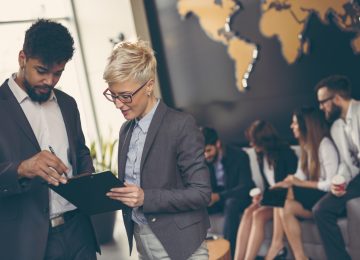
[
  {"x": 337, "y": 99},
  {"x": 22, "y": 59},
  {"x": 218, "y": 144}
]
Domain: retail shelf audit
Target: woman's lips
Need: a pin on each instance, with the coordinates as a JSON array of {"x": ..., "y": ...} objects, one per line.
[{"x": 124, "y": 112}]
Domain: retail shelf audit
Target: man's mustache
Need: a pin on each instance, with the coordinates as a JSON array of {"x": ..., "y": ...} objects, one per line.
[{"x": 48, "y": 87}]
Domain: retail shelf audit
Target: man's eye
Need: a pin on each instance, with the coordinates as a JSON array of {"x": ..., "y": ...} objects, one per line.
[
  {"x": 125, "y": 96},
  {"x": 58, "y": 74},
  {"x": 41, "y": 72}
]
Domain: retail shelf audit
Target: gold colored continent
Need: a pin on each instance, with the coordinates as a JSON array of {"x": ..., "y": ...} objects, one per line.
[
  {"x": 243, "y": 54},
  {"x": 355, "y": 44},
  {"x": 288, "y": 21},
  {"x": 286, "y": 28},
  {"x": 213, "y": 20},
  {"x": 346, "y": 25},
  {"x": 302, "y": 8},
  {"x": 212, "y": 17}
]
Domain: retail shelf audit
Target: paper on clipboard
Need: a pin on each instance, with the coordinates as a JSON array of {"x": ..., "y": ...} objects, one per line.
[{"x": 88, "y": 192}]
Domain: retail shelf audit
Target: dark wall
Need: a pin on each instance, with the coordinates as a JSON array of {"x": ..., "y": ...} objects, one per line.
[{"x": 197, "y": 75}]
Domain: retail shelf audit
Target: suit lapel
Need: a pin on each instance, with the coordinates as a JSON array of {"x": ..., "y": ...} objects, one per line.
[
  {"x": 341, "y": 142},
  {"x": 212, "y": 176},
  {"x": 153, "y": 130},
  {"x": 67, "y": 114},
  {"x": 124, "y": 142},
  {"x": 18, "y": 114},
  {"x": 356, "y": 124}
]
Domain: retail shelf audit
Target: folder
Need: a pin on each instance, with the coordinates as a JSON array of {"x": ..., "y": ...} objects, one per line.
[
  {"x": 274, "y": 197},
  {"x": 88, "y": 192}
]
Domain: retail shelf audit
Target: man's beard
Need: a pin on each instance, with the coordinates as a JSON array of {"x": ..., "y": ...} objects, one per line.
[
  {"x": 35, "y": 96},
  {"x": 214, "y": 158},
  {"x": 334, "y": 113}
]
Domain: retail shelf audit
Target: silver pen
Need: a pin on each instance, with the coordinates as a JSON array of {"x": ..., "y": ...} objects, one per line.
[{"x": 53, "y": 152}]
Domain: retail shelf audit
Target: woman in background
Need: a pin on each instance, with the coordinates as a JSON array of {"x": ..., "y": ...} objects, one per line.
[
  {"x": 276, "y": 160},
  {"x": 318, "y": 165}
]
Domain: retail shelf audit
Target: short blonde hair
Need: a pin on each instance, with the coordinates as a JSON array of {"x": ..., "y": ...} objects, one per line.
[{"x": 130, "y": 61}]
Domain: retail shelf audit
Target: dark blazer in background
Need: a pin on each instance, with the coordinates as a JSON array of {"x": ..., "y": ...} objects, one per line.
[
  {"x": 285, "y": 164},
  {"x": 175, "y": 181},
  {"x": 24, "y": 204},
  {"x": 234, "y": 196},
  {"x": 238, "y": 180}
]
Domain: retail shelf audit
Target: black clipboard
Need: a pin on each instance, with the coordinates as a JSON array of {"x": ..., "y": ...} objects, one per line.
[
  {"x": 274, "y": 197},
  {"x": 88, "y": 192}
]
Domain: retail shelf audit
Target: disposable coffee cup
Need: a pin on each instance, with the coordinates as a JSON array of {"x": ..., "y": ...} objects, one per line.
[
  {"x": 339, "y": 181},
  {"x": 254, "y": 192}
]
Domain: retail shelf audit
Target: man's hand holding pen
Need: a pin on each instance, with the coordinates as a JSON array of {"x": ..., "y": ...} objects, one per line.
[
  {"x": 45, "y": 165},
  {"x": 53, "y": 152}
]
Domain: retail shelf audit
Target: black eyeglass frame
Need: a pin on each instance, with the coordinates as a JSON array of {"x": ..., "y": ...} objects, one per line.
[
  {"x": 124, "y": 98},
  {"x": 322, "y": 102}
]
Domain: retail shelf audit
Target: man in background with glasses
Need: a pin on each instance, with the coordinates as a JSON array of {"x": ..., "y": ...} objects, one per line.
[
  {"x": 35, "y": 222},
  {"x": 161, "y": 160},
  {"x": 334, "y": 97}
]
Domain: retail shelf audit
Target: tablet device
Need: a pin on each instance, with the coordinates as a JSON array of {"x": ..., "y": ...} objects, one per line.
[
  {"x": 88, "y": 192},
  {"x": 274, "y": 197}
]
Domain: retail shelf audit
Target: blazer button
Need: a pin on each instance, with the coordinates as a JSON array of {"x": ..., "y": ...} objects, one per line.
[
  {"x": 5, "y": 190},
  {"x": 153, "y": 219}
]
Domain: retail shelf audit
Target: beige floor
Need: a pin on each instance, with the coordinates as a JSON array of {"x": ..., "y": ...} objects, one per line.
[{"x": 118, "y": 249}]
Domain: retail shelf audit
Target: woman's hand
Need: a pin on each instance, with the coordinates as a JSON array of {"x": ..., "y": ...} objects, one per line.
[
  {"x": 281, "y": 184},
  {"x": 293, "y": 180},
  {"x": 131, "y": 195},
  {"x": 256, "y": 199}
]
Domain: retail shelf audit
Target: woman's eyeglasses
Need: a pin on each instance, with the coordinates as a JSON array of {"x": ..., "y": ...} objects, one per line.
[{"x": 124, "y": 98}]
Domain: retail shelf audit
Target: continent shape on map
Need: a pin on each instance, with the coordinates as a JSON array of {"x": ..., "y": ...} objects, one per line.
[
  {"x": 287, "y": 20},
  {"x": 284, "y": 19},
  {"x": 214, "y": 18}
]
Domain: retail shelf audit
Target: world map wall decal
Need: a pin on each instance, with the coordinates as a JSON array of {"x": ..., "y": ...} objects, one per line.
[{"x": 284, "y": 19}]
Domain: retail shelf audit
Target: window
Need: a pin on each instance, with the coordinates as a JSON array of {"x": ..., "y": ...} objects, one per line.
[{"x": 16, "y": 18}]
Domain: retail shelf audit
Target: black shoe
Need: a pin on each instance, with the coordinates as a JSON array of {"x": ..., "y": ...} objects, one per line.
[{"x": 281, "y": 255}]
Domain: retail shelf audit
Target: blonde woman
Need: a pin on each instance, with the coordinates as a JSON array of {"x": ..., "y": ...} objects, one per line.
[{"x": 161, "y": 160}]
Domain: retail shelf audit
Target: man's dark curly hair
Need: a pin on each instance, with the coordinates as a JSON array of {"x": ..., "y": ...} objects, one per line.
[{"x": 48, "y": 41}]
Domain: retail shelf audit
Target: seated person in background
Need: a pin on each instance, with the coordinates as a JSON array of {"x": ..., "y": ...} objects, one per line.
[
  {"x": 318, "y": 165},
  {"x": 276, "y": 160},
  {"x": 231, "y": 182}
]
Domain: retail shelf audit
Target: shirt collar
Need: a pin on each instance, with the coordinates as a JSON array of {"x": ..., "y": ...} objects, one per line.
[
  {"x": 349, "y": 113},
  {"x": 219, "y": 157},
  {"x": 19, "y": 93},
  {"x": 144, "y": 123}
]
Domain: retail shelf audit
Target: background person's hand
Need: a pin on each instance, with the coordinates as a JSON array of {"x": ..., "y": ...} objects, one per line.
[
  {"x": 281, "y": 184},
  {"x": 293, "y": 180},
  {"x": 131, "y": 195},
  {"x": 215, "y": 197},
  {"x": 45, "y": 165},
  {"x": 337, "y": 190},
  {"x": 256, "y": 199}
]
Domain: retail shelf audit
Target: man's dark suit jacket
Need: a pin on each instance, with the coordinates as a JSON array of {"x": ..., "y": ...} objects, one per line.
[
  {"x": 175, "y": 181},
  {"x": 24, "y": 204},
  {"x": 237, "y": 175}
]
